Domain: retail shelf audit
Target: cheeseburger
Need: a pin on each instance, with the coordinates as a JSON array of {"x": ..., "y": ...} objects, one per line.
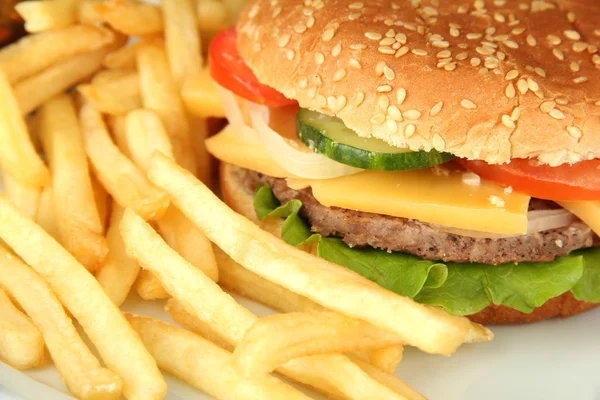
[{"x": 448, "y": 150}]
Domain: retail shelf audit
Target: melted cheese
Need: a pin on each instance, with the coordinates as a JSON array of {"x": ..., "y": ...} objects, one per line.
[
  {"x": 587, "y": 211},
  {"x": 200, "y": 96},
  {"x": 425, "y": 195}
]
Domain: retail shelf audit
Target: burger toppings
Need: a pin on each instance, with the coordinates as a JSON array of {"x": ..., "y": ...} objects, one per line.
[{"x": 329, "y": 136}]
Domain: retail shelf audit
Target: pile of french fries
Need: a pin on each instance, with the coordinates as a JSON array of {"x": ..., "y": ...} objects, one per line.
[{"x": 102, "y": 122}]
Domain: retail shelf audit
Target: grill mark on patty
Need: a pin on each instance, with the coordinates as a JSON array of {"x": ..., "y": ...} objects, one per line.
[{"x": 389, "y": 233}]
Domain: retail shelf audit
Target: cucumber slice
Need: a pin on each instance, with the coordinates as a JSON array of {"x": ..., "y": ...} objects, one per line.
[{"x": 331, "y": 137}]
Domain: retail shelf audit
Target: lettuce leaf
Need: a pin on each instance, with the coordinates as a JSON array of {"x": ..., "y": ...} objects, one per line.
[{"x": 460, "y": 288}]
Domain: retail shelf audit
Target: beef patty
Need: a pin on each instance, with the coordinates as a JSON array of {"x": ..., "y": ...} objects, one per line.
[{"x": 422, "y": 239}]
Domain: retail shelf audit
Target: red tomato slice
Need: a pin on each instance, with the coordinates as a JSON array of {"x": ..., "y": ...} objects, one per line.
[
  {"x": 580, "y": 181},
  {"x": 230, "y": 71}
]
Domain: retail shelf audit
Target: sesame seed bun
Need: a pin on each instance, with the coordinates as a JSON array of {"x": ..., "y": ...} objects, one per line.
[
  {"x": 239, "y": 197},
  {"x": 489, "y": 80}
]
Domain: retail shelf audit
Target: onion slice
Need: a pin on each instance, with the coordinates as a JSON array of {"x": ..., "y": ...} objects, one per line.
[{"x": 302, "y": 164}]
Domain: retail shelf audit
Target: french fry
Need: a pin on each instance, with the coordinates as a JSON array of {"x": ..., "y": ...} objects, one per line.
[
  {"x": 386, "y": 358},
  {"x": 276, "y": 339},
  {"x": 26, "y": 198},
  {"x": 45, "y": 213},
  {"x": 34, "y": 53},
  {"x": 205, "y": 162},
  {"x": 122, "y": 179},
  {"x": 17, "y": 153},
  {"x": 79, "y": 369},
  {"x": 80, "y": 229},
  {"x": 148, "y": 287},
  {"x": 182, "y": 39},
  {"x": 106, "y": 76},
  {"x": 46, "y": 15},
  {"x": 130, "y": 18},
  {"x": 161, "y": 95},
  {"x": 37, "y": 89},
  {"x": 119, "y": 271},
  {"x": 21, "y": 343},
  {"x": 122, "y": 58},
  {"x": 117, "y": 97},
  {"x": 430, "y": 329},
  {"x": 200, "y": 96},
  {"x": 207, "y": 366},
  {"x": 115, "y": 340},
  {"x": 219, "y": 312},
  {"x": 86, "y": 13},
  {"x": 102, "y": 201},
  {"x": 212, "y": 16},
  {"x": 145, "y": 135},
  {"x": 118, "y": 128}
]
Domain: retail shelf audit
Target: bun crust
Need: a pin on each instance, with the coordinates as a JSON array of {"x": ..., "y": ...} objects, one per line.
[
  {"x": 487, "y": 80},
  {"x": 240, "y": 198}
]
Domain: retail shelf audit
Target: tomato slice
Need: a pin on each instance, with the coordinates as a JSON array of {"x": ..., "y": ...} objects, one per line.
[
  {"x": 577, "y": 182},
  {"x": 230, "y": 71}
]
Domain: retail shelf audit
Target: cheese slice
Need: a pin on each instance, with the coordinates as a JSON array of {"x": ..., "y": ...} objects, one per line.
[
  {"x": 424, "y": 195},
  {"x": 587, "y": 211}
]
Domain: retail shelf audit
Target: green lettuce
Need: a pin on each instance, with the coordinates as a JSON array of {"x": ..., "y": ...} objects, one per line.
[{"x": 460, "y": 288}]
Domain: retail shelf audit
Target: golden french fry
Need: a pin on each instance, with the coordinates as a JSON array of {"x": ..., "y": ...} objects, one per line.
[
  {"x": 26, "y": 198},
  {"x": 212, "y": 16},
  {"x": 79, "y": 369},
  {"x": 148, "y": 286},
  {"x": 276, "y": 339},
  {"x": 131, "y": 18},
  {"x": 34, "y": 53},
  {"x": 200, "y": 96},
  {"x": 80, "y": 229},
  {"x": 46, "y": 15},
  {"x": 161, "y": 95},
  {"x": 106, "y": 76},
  {"x": 119, "y": 271},
  {"x": 102, "y": 201},
  {"x": 430, "y": 329},
  {"x": 386, "y": 358},
  {"x": 21, "y": 343},
  {"x": 117, "y": 97},
  {"x": 182, "y": 39},
  {"x": 17, "y": 153},
  {"x": 219, "y": 312},
  {"x": 207, "y": 366},
  {"x": 144, "y": 135},
  {"x": 122, "y": 58},
  {"x": 118, "y": 129},
  {"x": 206, "y": 164},
  {"x": 37, "y": 89},
  {"x": 117, "y": 343},
  {"x": 45, "y": 213},
  {"x": 86, "y": 13},
  {"x": 120, "y": 177}
]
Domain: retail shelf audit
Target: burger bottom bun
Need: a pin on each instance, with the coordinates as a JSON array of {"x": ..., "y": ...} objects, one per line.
[{"x": 240, "y": 198}]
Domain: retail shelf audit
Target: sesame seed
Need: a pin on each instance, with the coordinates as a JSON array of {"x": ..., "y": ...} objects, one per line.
[
  {"x": 400, "y": 96},
  {"x": 510, "y": 91},
  {"x": 518, "y": 31},
  {"x": 300, "y": 28},
  {"x": 554, "y": 40},
  {"x": 491, "y": 62},
  {"x": 441, "y": 44},
  {"x": 419, "y": 52},
  {"x": 511, "y": 44},
  {"x": 354, "y": 63},
  {"x": 339, "y": 75},
  {"x": 562, "y": 101},
  {"x": 580, "y": 79},
  {"x": 512, "y": 74},
  {"x": 354, "y": 16},
  {"x": 597, "y": 32},
  {"x": 485, "y": 51},
  {"x": 310, "y": 22},
  {"x": 596, "y": 59},
  {"x": 436, "y": 109},
  {"x": 574, "y": 66},
  {"x": 328, "y": 34},
  {"x": 574, "y": 131},
  {"x": 556, "y": 114},
  {"x": 379, "y": 68},
  {"x": 580, "y": 47},
  {"x": 358, "y": 46},
  {"x": 522, "y": 86},
  {"x": 571, "y": 16},
  {"x": 475, "y": 62},
  {"x": 392, "y": 125},
  {"x": 499, "y": 17},
  {"x": 312, "y": 92},
  {"x": 290, "y": 54},
  {"x": 303, "y": 83},
  {"x": 450, "y": 67},
  {"x": 531, "y": 41},
  {"x": 319, "y": 58},
  {"x": 540, "y": 72},
  {"x": 390, "y": 33},
  {"x": 401, "y": 37},
  {"x": 356, "y": 6},
  {"x": 468, "y": 104},
  {"x": 378, "y": 119},
  {"x": 454, "y": 32},
  {"x": 444, "y": 54},
  {"x": 389, "y": 74},
  {"x": 409, "y": 130},
  {"x": 474, "y": 36},
  {"x": 276, "y": 12},
  {"x": 516, "y": 114},
  {"x": 401, "y": 51},
  {"x": 571, "y": 34},
  {"x": 533, "y": 85},
  {"x": 337, "y": 49},
  {"x": 394, "y": 113},
  {"x": 462, "y": 56},
  {"x": 412, "y": 114},
  {"x": 438, "y": 142},
  {"x": 558, "y": 54},
  {"x": 509, "y": 123},
  {"x": 384, "y": 88},
  {"x": 373, "y": 35},
  {"x": 387, "y": 41},
  {"x": 386, "y": 50},
  {"x": 253, "y": 11},
  {"x": 501, "y": 38},
  {"x": 547, "y": 106},
  {"x": 358, "y": 98}
]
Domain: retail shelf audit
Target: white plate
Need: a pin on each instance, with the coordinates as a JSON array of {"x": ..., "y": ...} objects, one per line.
[{"x": 557, "y": 359}]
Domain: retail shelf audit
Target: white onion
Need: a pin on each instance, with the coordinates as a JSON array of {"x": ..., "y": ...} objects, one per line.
[
  {"x": 299, "y": 162},
  {"x": 233, "y": 113},
  {"x": 537, "y": 221}
]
